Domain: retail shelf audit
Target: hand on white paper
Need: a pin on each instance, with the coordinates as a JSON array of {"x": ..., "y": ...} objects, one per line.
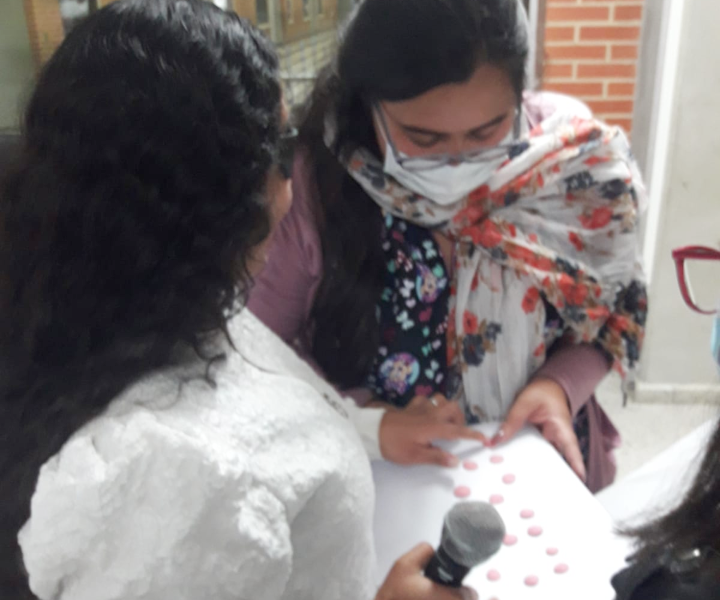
[
  {"x": 543, "y": 403},
  {"x": 406, "y": 436}
]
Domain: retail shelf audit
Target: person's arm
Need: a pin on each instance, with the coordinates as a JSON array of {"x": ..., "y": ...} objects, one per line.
[
  {"x": 282, "y": 299},
  {"x": 142, "y": 513},
  {"x": 577, "y": 369},
  {"x": 139, "y": 512},
  {"x": 283, "y": 293},
  {"x": 553, "y": 397}
]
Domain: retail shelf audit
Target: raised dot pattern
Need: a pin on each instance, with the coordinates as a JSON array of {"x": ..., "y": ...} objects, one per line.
[
  {"x": 493, "y": 575},
  {"x": 462, "y": 491}
]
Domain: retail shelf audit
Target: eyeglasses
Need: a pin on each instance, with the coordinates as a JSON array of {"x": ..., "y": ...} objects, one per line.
[
  {"x": 434, "y": 161},
  {"x": 692, "y": 253},
  {"x": 286, "y": 151}
]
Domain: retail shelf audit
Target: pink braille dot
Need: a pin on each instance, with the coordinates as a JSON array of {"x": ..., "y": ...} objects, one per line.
[
  {"x": 531, "y": 580},
  {"x": 462, "y": 491},
  {"x": 510, "y": 540},
  {"x": 470, "y": 465},
  {"x": 561, "y": 568},
  {"x": 496, "y": 459},
  {"x": 496, "y": 499},
  {"x": 551, "y": 551},
  {"x": 527, "y": 513},
  {"x": 493, "y": 575},
  {"x": 535, "y": 531},
  {"x": 509, "y": 478}
]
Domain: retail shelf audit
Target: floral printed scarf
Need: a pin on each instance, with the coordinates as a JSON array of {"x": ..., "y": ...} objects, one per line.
[{"x": 555, "y": 228}]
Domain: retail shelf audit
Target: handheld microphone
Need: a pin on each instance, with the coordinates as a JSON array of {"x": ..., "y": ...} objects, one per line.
[{"x": 472, "y": 533}]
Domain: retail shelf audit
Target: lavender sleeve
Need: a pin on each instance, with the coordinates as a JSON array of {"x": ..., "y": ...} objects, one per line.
[
  {"x": 284, "y": 292},
  {"x": 577, "y": 369}
]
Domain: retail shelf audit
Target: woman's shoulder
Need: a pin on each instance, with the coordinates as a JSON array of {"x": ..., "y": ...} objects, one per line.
[
  {"x": 146, "y": 493},
  {"x": 303, "y": 212},
  {"x": 177, "y": 449},
  {"x": 303, "y": 181},
  {"x": 540, "y": 105},
  {"x": 176, "y": 456},
  {"x": 296, "y": 242},
  {"x": 211, "y": 416},
  {"x": 259, "y": 348}
]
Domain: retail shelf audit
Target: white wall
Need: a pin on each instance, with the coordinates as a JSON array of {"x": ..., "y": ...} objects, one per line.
[{"x": 687, "y": 212}]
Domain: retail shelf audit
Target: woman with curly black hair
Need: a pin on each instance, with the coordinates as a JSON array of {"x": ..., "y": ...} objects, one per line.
[{"x": 156, "y": 440}]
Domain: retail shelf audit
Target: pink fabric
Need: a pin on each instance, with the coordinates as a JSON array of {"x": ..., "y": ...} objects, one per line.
[{"x": 284, "y": 292}]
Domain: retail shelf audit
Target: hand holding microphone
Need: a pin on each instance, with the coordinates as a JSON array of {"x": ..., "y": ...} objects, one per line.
[
  {"x": 407, "y": 582},
  {"x": 472, "y": 533}
]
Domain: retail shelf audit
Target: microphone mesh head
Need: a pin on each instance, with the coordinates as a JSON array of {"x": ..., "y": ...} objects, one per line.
[{"x": 472, "y": 533}]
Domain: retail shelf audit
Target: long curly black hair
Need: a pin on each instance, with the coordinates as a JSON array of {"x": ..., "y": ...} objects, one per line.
[
  {"x": 128, "y": 222},
  {"x": 391, "y": 50}
]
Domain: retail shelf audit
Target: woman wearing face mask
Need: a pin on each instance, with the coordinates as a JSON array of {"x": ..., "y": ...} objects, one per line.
[
  {"x": 157, "y": 442},
  {"x": 426, "y": 167},
  {"x": 678, "y": 554}
]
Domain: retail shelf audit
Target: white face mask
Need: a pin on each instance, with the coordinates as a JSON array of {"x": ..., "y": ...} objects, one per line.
[{"x": 446, "y": 184}]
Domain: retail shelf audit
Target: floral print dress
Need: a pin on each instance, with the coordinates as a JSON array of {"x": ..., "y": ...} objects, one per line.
[
  {"x": 413, "y": 316},
  {"x": 552, "y": 232},
  {"x": 413, "y": 311}
]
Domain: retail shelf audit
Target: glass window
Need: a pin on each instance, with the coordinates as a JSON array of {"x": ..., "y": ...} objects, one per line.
[{"x": 263, "y": 12}]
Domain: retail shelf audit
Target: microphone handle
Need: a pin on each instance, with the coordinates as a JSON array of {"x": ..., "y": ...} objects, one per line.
[{"x": 444, "y": 570}]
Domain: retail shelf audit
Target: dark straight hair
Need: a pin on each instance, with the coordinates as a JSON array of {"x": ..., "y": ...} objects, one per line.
[
  {"x": 391, "y": 50},
  {"x": 694, "y": 523}
]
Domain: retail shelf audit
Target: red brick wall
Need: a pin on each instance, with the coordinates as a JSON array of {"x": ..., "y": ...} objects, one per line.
[{"x": 591, "y": 49}]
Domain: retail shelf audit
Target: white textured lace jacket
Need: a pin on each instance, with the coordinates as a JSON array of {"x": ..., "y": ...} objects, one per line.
[{"x": 256, "y": 489}]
